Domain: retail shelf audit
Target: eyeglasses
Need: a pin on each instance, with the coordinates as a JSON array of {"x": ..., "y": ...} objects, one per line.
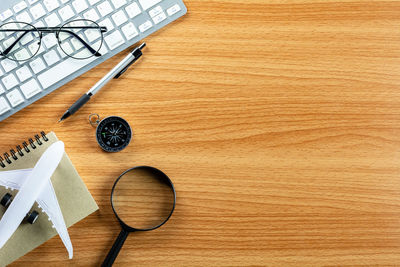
[{"x": 79, "y": 39}]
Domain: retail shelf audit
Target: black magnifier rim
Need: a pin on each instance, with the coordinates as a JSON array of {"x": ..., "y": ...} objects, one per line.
[
  {"x": 161, "y": 175},
  {"x": 34, "y": 30},
  {"x": 75, "y": 20}
]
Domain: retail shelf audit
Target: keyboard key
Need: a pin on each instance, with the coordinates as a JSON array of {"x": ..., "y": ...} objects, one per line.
[
  {"x": 24, "y": 73},
  {"x": 30, "y": 88},
  {"x": 15, "y": 97},
  {"x": 22, "y": 54},
  {"x": 10, "y": 81},
  {"x": 80, "y": 5},
  {"x": 24, "y": 17},
  {"x": 148, "y": 3},
  {"x": 4, "y": 106},
  {"x": 37, "y": 11},
  {"x": 51, "y": 57},
  {"x": 20, "y": 6},
  {"x": 118, "y": 3},
  {"x": 91, "y": 15},
  {"x": 66, "y": 13},
  {"x": 133, "y": 10},
  {"x": 52, "y": 20},
  {"x": 119, "y": 18},
  {"x": 49, "y": 40},
  {"x": 145, "y": 26},
  {"x": 5, "y": 15},
  {"x": 107, "y": 22},
  {"x": 159, "y": 18},
  {"x": 129, "y": 31},
  {"x": 62, "y": 70},
  {"x": 155, "y": 11},
  {"x": 8, "y": 65},
  {"x": 2, "y": 91},
  {"x": 37, "y": 65},
  {"x": 114, "y": 40},
  {"x": 51, "y": 4},
  {"x": 32, "y": 1},
  {"x": 174, "y": 9},
  {"x": 104, "y": 9},
  {"x": 93, "y": 2}
]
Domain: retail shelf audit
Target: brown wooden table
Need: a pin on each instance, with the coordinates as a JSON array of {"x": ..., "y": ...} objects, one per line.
[{"x": 278, "y": 121}]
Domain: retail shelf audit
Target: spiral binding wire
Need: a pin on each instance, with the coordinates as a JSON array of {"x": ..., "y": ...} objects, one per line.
[{"x": 24, "y": 149}]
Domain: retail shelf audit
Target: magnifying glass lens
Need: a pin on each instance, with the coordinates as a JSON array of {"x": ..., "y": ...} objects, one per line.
[{"x": 142, "y": 199}]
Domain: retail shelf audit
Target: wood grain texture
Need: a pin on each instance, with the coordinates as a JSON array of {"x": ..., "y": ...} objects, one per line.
[{"x": 278, "y": 122}]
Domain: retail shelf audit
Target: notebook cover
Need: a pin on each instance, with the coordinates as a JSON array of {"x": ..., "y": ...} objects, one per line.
[{"x": 73, "y": 196}]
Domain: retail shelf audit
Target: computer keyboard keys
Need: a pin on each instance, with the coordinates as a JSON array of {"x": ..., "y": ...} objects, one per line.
[
  {"x": 24, "y": 73},
  {"x": 108, "y": 24},
  {"x": 133, "y": 10},
  {"x": 24, "y": 17},
  {"x": 37, "y": 11},
  {"x": 8, "y": 65},
  {"x": 51, "y": 57},
  {"x": 79, "y": 5},
  {"x": 104, "y": 8},
  {"x": 49, "y": 40},
  {"x": 62, "y": 70},
  {"x": 173, "y": 10},
  {"x": 148, "y": 3},
  {"x": 10, "y": 81},
  {"x": 91, "y": 15},
  {"x": 22, "y": 54},
  {"x": 37, "y": 65},
  {"x": 114, "y": 40},
  {"x": 93, "y": 2},
  {"x": 66, "y": 13},
  {"x": 4, "y": 106},
  {"x": 155, "y": 11},
  {"x": 51, "y": 4},
  {"x": 52, "y": 20},
  {"x": 118, "y": 3},
  {"x": 119, "y": 18},
  {"x": 5, "y": 15},
  {"x": 159, "y": 18},
  {"x": 2, "y": 91},
  {"x": 129, "y": 31},
  {"x": 145, "y": 26},
  {"x": 20, "y": 6},
  {"x": 30, "y": 88},
  {"x": 15, "y": 97}
]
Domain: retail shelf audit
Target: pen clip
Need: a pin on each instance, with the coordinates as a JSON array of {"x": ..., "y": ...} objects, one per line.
[{"x": 137, "y": 53}]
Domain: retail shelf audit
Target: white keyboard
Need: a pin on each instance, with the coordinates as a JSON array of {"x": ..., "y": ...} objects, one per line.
[{"x": 127, "y": 22}]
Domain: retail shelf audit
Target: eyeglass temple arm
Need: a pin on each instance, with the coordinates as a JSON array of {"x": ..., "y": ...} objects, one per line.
[{"x": 6, "y": 51}]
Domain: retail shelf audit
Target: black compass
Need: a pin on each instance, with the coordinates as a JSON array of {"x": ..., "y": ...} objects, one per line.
[{"x": 113, "y": 134}]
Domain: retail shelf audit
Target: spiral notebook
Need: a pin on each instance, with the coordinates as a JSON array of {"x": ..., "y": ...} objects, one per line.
[{"x": 73, "y": 197}]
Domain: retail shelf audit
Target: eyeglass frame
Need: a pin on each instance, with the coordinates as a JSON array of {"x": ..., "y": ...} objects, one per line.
[{"x": 55, "y": 30}]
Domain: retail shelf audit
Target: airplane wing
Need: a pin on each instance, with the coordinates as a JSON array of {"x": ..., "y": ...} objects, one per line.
[
  {"x": 13, "y": 179},
  {"x": 47, "y": 200}
]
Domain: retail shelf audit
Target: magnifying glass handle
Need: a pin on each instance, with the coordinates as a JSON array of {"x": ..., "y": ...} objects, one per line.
[{"x": 112, "y": 255}]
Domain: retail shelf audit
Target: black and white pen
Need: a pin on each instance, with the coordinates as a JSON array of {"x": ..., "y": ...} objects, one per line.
[{"x": 115, "y": 73}]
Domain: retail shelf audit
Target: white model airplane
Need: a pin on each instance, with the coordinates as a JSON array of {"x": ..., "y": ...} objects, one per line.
[{"x": 34, "y": 185}]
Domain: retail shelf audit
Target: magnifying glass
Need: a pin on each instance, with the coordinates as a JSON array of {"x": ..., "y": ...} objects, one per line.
[{"x": 143, "y": 199}]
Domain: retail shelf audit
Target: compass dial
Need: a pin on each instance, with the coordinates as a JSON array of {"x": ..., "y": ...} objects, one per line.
[{"x": 113, "y": 134}]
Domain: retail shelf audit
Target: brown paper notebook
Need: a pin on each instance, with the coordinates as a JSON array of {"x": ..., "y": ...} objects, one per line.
[{"x": 74, "y": 198}]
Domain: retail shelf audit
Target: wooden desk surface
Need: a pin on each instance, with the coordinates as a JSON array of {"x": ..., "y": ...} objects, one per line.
[{"x": 277, "y": 120}]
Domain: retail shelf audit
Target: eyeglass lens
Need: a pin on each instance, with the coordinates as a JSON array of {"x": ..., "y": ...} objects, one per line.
[
  {"x": 19, "y": 41},
  {"x": 79, "y": 39}
]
